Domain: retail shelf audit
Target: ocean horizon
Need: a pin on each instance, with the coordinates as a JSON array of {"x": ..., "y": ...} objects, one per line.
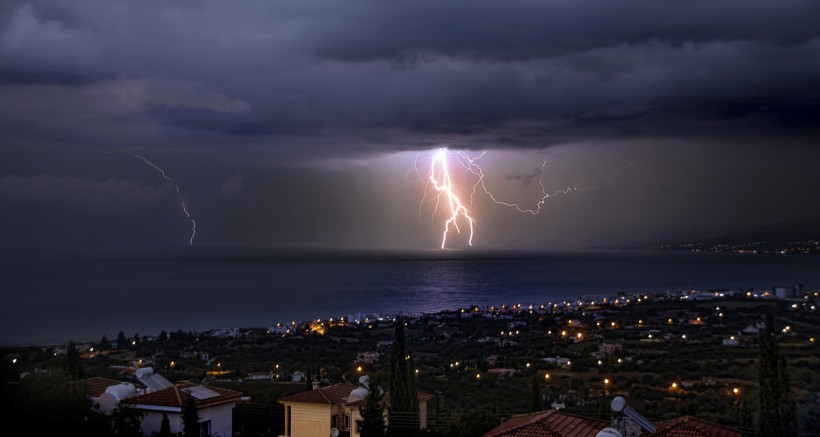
[{"x": 56, "y": 297}]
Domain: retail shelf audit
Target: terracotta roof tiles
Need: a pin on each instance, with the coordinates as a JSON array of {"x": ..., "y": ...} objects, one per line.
[
  {"x": 176, "y": 397},
  {"x": 326, "y": 395},
  {"x": 548, "y": 424},
  {"x": 562, "y": 424},
  {"x": 96, "y": 385},
  {"x": 688, "y": 426}
]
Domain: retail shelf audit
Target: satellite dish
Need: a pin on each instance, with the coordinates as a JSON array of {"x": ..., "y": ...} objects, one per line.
[{"x": 334, "y": 432}]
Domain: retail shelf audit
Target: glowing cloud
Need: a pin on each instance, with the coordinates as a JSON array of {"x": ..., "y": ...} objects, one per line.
[{"x": 458, "y": 210}]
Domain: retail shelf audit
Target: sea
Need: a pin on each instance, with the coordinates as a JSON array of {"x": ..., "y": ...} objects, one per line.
[{"x": 52, "y": 298}]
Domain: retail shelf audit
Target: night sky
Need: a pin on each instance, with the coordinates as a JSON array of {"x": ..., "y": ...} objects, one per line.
[{"x": 311, "y": 123}]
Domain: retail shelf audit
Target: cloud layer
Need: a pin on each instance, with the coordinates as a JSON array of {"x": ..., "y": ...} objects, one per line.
[{"x": 223, "y": 93}]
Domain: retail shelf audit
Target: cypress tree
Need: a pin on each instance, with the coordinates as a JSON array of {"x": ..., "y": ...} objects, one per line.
[
  {"x": 72, "y": 363},
  {"x": 308, "y": 379},
  {"x": 104, "y": 343},
  {"x": 190, "y": 418},
  {"x": 777, "y": 406},
  {"x": 122, "y": 342},
  {"x": 537, "y": 404},
  {"x": 404, "y": 408},
  {"x": 165, "y": 426},
  {"x": 372, "y": 413}
]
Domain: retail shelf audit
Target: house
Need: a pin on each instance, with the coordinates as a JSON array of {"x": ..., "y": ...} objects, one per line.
[
  {"x": 367, "y": 357},
  {"x": 501, "y": 372},
  {"x": 214, "y": 406},
  {"x": 561, "y": 424},
  {"x": 316, "y": 412},
  {"x": 609, "y": 348},
  {"x": 731, "y": 341},
  {"x": 259, "y": 376}
]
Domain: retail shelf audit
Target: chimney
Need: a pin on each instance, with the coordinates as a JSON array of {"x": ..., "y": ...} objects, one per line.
[{"x": 316, "y": 385}]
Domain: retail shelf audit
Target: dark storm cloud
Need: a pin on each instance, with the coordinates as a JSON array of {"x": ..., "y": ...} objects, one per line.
[
  {"x": 407, "y": 74},
  {"x": 498, "y": 31},
  {"x": 214, "y": 90},
  {"x": 35, "y": 51}
]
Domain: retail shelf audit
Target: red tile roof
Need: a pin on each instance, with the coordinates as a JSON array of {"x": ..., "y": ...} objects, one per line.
[
  {"x": 562, "y": 424},
  {"x": 548, "y": 424},
  {"x": 333, "y": 394},
  {"x": 176, "y": 397},
  {"x": 688, "y": 426},
  {"x": 96, "y": 386},
  {"x": 386, "y": 400}
]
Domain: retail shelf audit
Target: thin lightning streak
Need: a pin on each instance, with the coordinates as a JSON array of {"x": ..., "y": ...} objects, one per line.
[
  {"x": 471, "y": 165},
  {"x": 176, "y": 187},
  {"x": 169, "y": 179}
]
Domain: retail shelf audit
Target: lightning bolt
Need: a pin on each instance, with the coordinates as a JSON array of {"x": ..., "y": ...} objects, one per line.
[
  {"x": 176, "y": 187},
  {"x": 165, "y": 176},
  {"x": 442, "y": 182},
  {"x": 440, "y": 179}
]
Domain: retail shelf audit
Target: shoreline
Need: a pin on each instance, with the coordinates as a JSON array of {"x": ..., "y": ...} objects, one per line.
[{"x": 565, "y": 307}]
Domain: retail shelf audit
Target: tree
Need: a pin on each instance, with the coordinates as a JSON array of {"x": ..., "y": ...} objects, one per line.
[
  {"x": 45, "y": 404},
  {"x": 537, "y": 404},
  {"x": 472, "y": 424},
  {"x": 121, "y": 340},
  {"x": 72, "y": 363},
  {"x": 163, "y": 336},
  {"x": 308, "y": 378},
  {"x": 126, "y": 422},
  {"x": 373, "y": 411},
  {"x": 190, "y": 418},
  {"x": 404, "y": 408},
  {"x": 104, "y": 343},
  {"x": 165, "y": 426},
  {"x": 778, "y": 413}
]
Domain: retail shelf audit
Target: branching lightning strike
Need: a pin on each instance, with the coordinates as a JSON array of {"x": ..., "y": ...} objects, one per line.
[
  {"x": 443, "y": 183},
  {"x": 439, "y": 177}
]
